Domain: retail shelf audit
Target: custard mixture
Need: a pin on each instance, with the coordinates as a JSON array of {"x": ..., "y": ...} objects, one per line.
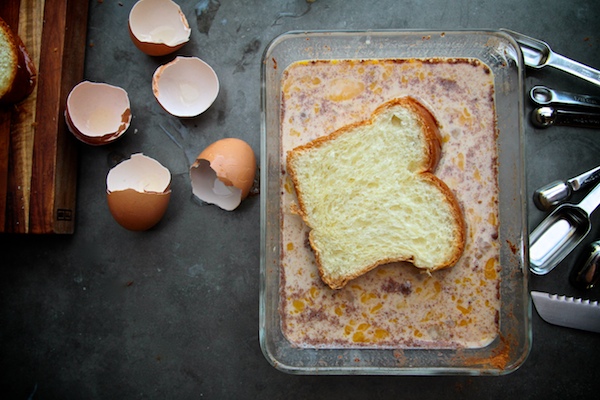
[{"x": 396, "y": 305}]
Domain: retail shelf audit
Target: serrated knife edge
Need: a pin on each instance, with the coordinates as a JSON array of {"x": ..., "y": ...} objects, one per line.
[
  {"x": 561, "y": 297},
  {"x": 567, "y": 311}
]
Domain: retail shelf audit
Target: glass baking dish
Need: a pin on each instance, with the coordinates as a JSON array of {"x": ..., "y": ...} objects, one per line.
[{"x": 501, "y": 54}]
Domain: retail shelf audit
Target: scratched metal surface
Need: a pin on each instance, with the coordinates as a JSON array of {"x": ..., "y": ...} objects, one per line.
[{"x": 173, "y": 312}]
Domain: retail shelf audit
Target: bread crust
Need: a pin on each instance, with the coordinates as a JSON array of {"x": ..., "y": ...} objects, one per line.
[
  {"x": 23, "y": 73},
  {"x": 430, "y": 129}
]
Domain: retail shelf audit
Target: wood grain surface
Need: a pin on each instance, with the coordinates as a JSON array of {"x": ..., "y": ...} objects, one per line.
[{"x": 38, "y": 155}]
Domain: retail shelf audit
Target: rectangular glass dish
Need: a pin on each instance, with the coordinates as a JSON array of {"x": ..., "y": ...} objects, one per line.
[{"x": 500, "y": 53}]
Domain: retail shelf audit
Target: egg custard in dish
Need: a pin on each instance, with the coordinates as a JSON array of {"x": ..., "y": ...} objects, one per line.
[{"x": 393, "y": 305}]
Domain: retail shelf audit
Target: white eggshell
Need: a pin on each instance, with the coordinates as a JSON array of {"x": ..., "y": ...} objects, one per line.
[
  {"x": 140, "y": 173},
  {"x": 158, "y": 27},
  {"x": 97, "y": 113},
  {"x": 185, "y": 87},
  {"x": 209, "y": 188}
]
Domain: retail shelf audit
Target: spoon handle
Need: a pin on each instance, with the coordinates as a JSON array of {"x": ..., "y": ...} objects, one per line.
[
  {"x": 544, "y": 117},
  {"x": 573, "y": 67},
  {"x": 591, "y": 201},
  {"x": 544, "y": 96},
  {"x": 580, "y": 119},
  {"x": 584, "y": 179},
  {"x": 557, "y": 192}
]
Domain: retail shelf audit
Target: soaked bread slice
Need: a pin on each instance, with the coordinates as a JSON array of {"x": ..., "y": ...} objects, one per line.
[{"x": 369, "y": 196}]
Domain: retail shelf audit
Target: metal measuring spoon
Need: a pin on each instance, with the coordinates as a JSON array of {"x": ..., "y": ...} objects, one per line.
[
  {"x": 557, "y": 192},
  {"x": 545, "y": 117},
  {"x": 560, "y": 232},
  {"x": 538, "y": 54},
  {"x": 586, "y": 271},
  {"x": 544, "y": 96}
]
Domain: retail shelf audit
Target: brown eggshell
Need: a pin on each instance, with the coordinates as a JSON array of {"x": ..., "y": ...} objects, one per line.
[
  {"x": 137, "y": 211},
  {"x": 158, "y": 27},
  {"x": 18, "y": 73},
  {"x": 138, "y": 192},
  {"x": 224, "y": 172}
]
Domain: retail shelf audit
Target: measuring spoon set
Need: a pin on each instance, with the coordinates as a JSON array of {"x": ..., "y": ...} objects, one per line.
[
  {"x": 567, "y": 223},
  {"x": 555, "y": 107}
]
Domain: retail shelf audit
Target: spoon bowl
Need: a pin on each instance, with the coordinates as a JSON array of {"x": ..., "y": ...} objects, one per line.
[
  {"x": 560, "y": 232},
  {"x": 538, "y": 54}
]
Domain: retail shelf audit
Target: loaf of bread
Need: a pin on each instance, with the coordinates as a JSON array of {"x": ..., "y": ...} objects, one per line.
[
  {"x": 369, "y": 196},
  {"x": 17, "y": 70}
]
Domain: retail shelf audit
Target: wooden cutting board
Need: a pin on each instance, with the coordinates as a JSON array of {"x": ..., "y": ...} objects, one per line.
[{"x": 38, "y": 155}]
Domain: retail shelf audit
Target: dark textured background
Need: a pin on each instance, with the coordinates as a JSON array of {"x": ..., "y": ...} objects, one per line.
[{"x": 173, "y": 312}]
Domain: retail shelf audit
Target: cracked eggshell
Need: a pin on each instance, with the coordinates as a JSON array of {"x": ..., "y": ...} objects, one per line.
[
  {"x": 97, "y": 113},
  {"x": 158, "y": 27},
  {"x": 138, "y": 192},
  {"x": 185, "y": 87},
  {"x": 223, "y": 173}
]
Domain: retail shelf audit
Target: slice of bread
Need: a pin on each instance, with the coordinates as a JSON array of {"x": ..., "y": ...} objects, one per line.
[
  {"x": 368, "y": 193},
  {"x": 17, "y": 70}
]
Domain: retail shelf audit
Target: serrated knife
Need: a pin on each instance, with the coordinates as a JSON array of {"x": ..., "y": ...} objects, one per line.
[{"x": 566, "y": 311}]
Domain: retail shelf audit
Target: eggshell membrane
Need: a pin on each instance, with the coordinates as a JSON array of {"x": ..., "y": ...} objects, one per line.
[
  {"x": 138, "y": 192},
  {"x": 158, "y": 27},
  {"x": 97, "y": 113},
  {"x": 185, "y": 87},
  {"x": 223, "y": 173}
]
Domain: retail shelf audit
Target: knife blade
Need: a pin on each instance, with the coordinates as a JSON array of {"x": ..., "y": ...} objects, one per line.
[{"x": 566, "y": 311}]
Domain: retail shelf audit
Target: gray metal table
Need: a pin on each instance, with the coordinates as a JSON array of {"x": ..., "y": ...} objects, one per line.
[{"x": 173, "y": 312}]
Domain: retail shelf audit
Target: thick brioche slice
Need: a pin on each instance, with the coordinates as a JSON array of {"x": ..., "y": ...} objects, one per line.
[
  {"x": 368, "y": 193},
  {"x": 17, "y": 70}
]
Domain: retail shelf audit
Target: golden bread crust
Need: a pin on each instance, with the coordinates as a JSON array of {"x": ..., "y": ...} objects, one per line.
[{"x": 18, "y": 69}]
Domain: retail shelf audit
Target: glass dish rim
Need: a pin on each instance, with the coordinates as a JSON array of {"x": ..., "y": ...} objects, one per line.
[{"x": 523, "y": 251}]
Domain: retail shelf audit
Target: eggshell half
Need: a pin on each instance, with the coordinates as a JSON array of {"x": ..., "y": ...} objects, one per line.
[
  {"x": 97, "y": 113},
  {"x": 185, "y": 87},
  {"x": 158, "y": 27},
  {"x": 223, "y": 173},
  {"x": 138, "y": 191},
  {"x": 137, "y": 211}
]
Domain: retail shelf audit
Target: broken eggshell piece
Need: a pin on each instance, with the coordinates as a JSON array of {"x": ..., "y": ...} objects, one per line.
[
  {"x": 138, "y": 192},
  {"x": 185, "y": 87},
  {"x": 223, "y": 173},
  {"x": 158, "y": 27},
  {"x": 97, "y": 113}
]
